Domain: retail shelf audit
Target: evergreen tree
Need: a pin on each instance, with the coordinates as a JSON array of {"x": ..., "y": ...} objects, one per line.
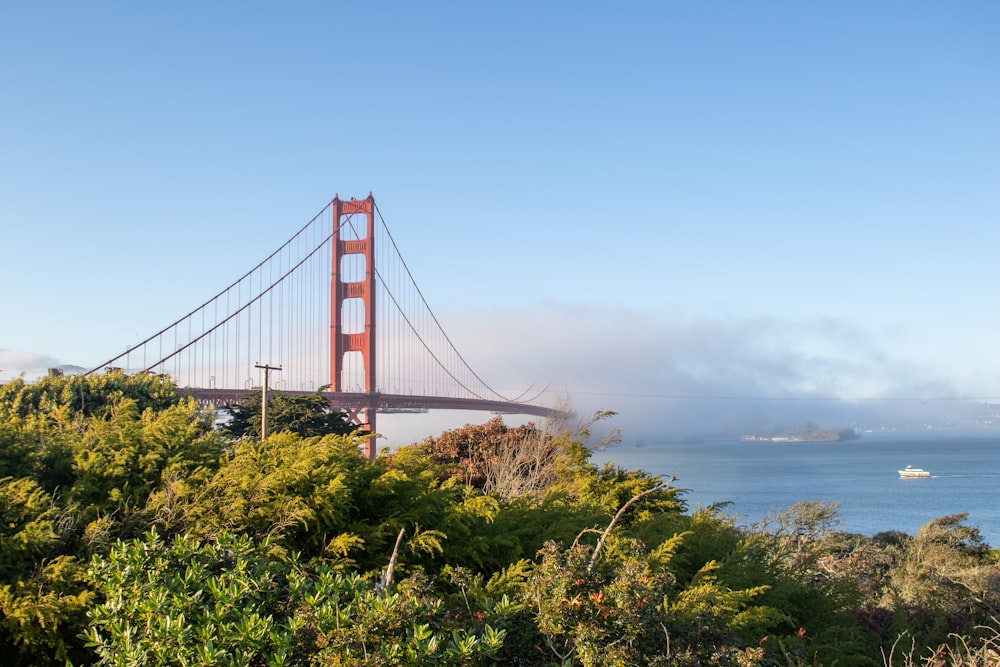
[{"x": 305, "y": 416}]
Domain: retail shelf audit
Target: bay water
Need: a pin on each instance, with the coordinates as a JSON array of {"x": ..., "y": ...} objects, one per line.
[{"x": 759, "y": 478}]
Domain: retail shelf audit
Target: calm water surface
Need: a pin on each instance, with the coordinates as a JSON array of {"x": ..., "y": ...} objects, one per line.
[{"x": 764, "y": 477}]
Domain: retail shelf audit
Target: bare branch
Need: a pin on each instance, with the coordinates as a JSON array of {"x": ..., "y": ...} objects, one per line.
[
  {"x": 391, "y": 570},
  {"x": 586, "y": 531},
  {"x": 607, "y": 531}
]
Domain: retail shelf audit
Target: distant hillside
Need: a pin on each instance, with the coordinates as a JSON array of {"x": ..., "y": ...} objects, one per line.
[{"x": 805, "y": 435}]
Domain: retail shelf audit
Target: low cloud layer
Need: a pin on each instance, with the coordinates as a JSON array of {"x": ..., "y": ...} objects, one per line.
[
  {"x": 675, "y": 375},
  {"x": 15, "y": 363}
]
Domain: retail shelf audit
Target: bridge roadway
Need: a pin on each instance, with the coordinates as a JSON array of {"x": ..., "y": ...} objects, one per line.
[{"x": 386, "y": 403}]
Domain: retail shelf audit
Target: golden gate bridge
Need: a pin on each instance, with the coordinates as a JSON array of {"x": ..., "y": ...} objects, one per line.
[{"x": 334, "y": 309}]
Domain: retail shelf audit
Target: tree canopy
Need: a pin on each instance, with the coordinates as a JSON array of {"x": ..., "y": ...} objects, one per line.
[{"x": 304, "y": 415}]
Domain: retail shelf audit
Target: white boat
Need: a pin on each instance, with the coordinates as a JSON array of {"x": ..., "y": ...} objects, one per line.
[{"x": 910, "y": 471}]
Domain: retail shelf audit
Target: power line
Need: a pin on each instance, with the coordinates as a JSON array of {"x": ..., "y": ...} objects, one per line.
[{"x": 844, "y": 399}]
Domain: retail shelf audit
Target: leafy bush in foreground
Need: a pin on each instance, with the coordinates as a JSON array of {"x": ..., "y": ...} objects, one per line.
[
  {"x": 133, "y": 532},
  {"x": 231, "y": 601}
]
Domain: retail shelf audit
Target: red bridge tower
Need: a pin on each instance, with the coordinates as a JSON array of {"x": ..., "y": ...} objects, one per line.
[{"x": 341, "y": 291}]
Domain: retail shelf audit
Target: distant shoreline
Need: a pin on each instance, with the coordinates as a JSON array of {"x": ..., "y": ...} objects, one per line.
[{"x": 808, "y": 436}]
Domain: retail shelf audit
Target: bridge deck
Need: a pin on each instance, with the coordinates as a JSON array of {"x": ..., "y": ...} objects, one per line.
[{"x": 381, "y": 402}]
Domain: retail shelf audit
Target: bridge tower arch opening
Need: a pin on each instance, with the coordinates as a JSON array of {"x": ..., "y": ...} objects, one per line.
[{"x": 354, "y": 239}]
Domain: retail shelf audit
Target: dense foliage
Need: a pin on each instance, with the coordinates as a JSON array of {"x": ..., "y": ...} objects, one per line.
[{"x": 136, "y": 533}]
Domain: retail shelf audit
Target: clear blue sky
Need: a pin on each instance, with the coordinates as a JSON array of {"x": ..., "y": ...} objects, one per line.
[{"x": 654, "y": 198}]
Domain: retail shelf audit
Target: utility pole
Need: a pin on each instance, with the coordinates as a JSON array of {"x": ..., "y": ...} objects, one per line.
[{"x": 263, "y": 398}]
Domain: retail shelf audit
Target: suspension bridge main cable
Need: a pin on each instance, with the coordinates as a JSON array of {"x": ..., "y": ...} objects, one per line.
[
  {"x": 246, "y": 305},
  {"x": 217, "y": 296},
  {"x": 434, "y": 318}
]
